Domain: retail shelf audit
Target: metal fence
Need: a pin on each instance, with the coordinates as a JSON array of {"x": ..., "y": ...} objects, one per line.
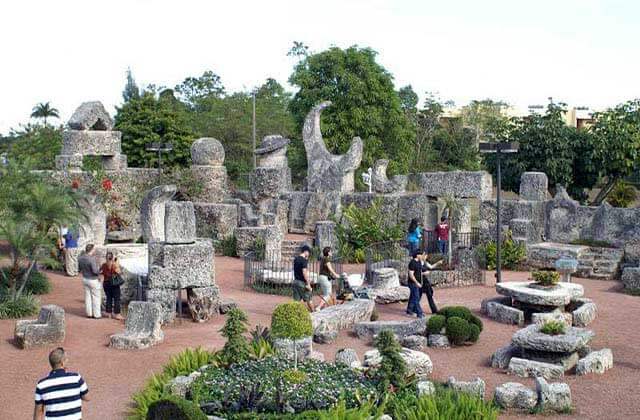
[
  {"x": 273, "y": 274},
  {"x": 395, "y": 254}
]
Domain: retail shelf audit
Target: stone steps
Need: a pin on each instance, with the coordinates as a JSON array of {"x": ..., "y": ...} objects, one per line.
[{"x": 291, "y": 248}]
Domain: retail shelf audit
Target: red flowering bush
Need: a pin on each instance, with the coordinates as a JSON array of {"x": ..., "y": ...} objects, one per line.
[
  {"x": 75, "y": 184},
  {"x": 107, "y": 185}
]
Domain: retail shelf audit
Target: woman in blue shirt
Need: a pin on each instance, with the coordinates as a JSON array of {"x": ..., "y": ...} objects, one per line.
[{"x": 414, "y": 235}]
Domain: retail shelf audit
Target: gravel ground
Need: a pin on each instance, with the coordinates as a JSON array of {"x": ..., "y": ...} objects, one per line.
[{"x": 114, "y": 375}]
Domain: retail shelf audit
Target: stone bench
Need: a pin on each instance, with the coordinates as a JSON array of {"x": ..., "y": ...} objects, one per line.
[
  {"x": 142, "y": 328},
  {"x": 369, "y": 329},
  {"x": 47, "y": 329},
  {"x": 327, "y": 322}
]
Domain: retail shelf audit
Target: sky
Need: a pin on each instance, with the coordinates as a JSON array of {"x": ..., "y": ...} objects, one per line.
[{"x": 581, "y": 52}]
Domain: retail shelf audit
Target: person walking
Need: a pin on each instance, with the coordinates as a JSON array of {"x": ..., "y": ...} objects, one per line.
[
  {"x": 110, "y": 271},
  {"x": 419, "y": 284},
  {"x": 59, "y": 395},
  {"x": 442, "y": 231},
  {"x": 427, "y": 288},
  {"x": 326, "y": 276},
  {"x": 90, "y": 270},
  {"x": 301, "y": 283},
  {"x": 414, "y": 235}
]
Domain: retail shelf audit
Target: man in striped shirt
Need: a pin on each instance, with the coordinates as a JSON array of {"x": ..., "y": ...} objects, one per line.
[{"x": 59, "y": 396}]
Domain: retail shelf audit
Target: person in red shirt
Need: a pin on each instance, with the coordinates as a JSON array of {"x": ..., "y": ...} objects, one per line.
[{"x": 442, "y": 232}]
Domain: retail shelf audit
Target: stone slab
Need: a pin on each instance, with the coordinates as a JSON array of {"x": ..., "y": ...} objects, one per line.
[
  {"x": 418, "y": 363},
  {"x": 180, "y": 266},
  {"x": 532, "y": 339},
  {"x": 595, "y": 362},
  {"x": 340, "y": 317},
  {"x": 368, "y": 329},
  {"x": 179, "y": 222},
  {"x": 93, "y": 143},
  {"x": 554, "y": 396},
  {"x": 474, "y": 388},
  {"x": 558, "y": 296},
  {"x": 142, "y": 327},
  {"x": 529, "y": 368},
  {"x": 47, "y": 329},
  {"x": 515, "y": 395}
]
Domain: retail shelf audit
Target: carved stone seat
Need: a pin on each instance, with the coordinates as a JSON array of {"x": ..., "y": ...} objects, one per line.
[
  {"x": 142, "y": 328},
  {"x": 47, "y": 329}
]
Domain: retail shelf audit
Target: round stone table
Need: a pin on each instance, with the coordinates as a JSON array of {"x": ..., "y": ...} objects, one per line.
[{"x": 557, "y": 296}]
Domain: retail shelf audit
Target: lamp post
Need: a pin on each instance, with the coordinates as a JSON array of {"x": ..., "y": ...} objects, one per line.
[
  {"x": 160, "y": 148},
  {"x": 253, "y": 127},
  {"x": 498, "y": 148}
]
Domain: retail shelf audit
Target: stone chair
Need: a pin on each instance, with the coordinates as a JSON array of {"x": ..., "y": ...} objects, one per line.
[
  {"x": 142, "y": 327},
  {"x": 47, "y": 329}
]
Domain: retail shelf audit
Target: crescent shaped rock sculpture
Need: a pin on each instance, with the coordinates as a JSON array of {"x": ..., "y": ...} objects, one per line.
[
  {"x": 328, "y": 172},
  {"x": 152, "y": 212}
]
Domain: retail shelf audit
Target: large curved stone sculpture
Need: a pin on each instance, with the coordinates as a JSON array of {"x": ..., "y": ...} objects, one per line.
[
  {"x": 328, "y": 172},
  {"x": 152, "y": 212}
]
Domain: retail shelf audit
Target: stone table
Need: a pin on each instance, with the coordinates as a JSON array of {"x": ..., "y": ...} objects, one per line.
[{"x": 528, "y": 293}]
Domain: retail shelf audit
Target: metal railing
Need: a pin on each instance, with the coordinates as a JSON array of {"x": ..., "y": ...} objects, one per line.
[
  {"x": 395, "y": 254},
  {"x": 273, "y": 274}
]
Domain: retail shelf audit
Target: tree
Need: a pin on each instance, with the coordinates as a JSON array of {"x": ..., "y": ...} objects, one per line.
[
  {"x": 408, "y": 99},
  {"x": 365, "y": 104},
  {"x": 616, "y": 134},
  {"x": 36, "y": 145},
  {"x": 131, "y": 90},
  {"x": 236, "y": 349},
  {"x": 44, "y": 111},
  {"x": 299, "y": 50},
  {"x": 485, "y": 116},
  {"x": 548, "y": 145},
  {"x": 29, "y": 210},
  {"x": 148, "y": 119},
  {"x": 194, "y": 89},
  {"x": 393, "y": 368}
]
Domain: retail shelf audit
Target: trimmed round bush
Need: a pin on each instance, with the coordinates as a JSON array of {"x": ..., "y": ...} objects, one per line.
[
  {"x": 435, "y": 324},
  {"x": 459, "y": 311},
  {"x": 475, "y": 321},
  {"x": 291, "y": 320},
  {"x": 474, "y": 333},
  {"x": 174, "y": 408},
  {"x": 457, "y": 330}
]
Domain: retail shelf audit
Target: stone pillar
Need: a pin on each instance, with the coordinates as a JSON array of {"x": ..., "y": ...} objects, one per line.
[
  {"x": 533, "y": 186},
  {"x": 326, "y": 235},
  {"x": 463, "y": 218},
  {"x": 207, "y": 157},
  {"x": 179, "y": 222}
]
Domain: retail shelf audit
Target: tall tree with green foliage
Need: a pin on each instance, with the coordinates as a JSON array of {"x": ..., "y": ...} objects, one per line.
[
  {"x": 547, "y": 145},
  {"x": 365, "y": 104},
  {"x": 194, "y": 89},
  {"x": 151, "y": 119},
  {"x": 616, "y": 134},
  {"x": 131, "y": 90},
  {"x": 44, "y": 111},
  {"x": 35, "y": 145},
  {"x": 485, "y": 116}
]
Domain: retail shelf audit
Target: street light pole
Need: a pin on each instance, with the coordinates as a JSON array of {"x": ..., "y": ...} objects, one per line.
[{"x": 498, "y": 149}]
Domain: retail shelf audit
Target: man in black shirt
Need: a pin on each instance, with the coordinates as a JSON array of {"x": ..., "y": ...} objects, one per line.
[
  {"x": 419, "y": 284},
  {"x": 301, "y": 283}
]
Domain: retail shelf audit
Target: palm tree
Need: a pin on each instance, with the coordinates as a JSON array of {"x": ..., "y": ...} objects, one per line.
[{"x": 44, "y": 111}]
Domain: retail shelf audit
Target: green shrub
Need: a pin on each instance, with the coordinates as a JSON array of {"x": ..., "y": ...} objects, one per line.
[
  {"x": 436, "y": 323},
  {"x": 229, "y": 246},
  {"x": 445, "y": 405},
  {"x": 236, "y": 349},
  {"x": 294, "y": 376},
  {"x": 459, "y": 311},
  {"x": 512, "y": 253},
  {"x": 474, "y": 320},
  {"x": 174, "y": 408},
  {"x": 393, "y": 368},
  {"x": 458, "y": 330},
  {"x": 259, "y": 248},
  {"x": 256, "y": 386},
  {"x": 291, "y": 320},
  {"x": 25, "y": 305},
  {"x": 37, "y": 284},
  {"x": 622, "y": 195},
  {"x": 546, "y": 277},
  {"x": 182, "y": 363},
  {"x": 553, "y": 328},
  {"x": 474, "y": 333},
  {"x": 361, "y": 227},
  {"x": 261, "y": 348}
]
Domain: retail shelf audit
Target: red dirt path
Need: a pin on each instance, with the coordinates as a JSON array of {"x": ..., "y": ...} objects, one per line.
[{"x": 114, "y": 375}]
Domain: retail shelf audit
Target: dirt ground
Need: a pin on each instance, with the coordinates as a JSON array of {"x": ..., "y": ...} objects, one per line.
[{"x": 113, "y": 375}]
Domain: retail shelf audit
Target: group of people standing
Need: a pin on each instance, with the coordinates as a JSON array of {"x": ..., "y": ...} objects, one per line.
[
  {"x": 97, "y": 277},
  {"x": 418, "y": 269}
]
